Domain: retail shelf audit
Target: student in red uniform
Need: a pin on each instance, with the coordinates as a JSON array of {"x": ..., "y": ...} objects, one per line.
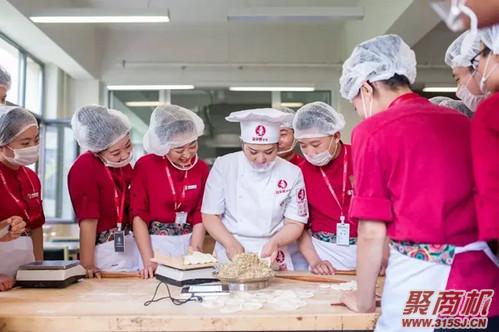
[
  {"x": 327, "y": 171},
  {"x": 168, "y": 186},
  {"x": 414, "y": 183},
  {"x": 287, "y": 141},
  {"x": 485, "y": 138},
  {"x": 98, "y": 184},
  {"x": 20, "y": 190},
  {"x": 286, "y": 150},
  {"x": 459, "y": 57}
]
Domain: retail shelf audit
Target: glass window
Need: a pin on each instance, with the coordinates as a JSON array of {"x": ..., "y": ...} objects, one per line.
[
  {"x": 295, "y": 100},
  {"x": 51, "y": 170},
  {"x": 34, "y": 86},
  {"x": 9, "y": 59},
  {"x": 69, "y": 156}
]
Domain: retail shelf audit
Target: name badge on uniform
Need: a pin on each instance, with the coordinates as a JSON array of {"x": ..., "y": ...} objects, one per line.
[
  {"x": 343, "y": 233},
  {"x": 191, "y": 187},
  {"x": 33, "y": 195},
  {"x": 302, "y": 203},
  {"x": 119, "y": 241},
  {"x": 181, "y": 217}
]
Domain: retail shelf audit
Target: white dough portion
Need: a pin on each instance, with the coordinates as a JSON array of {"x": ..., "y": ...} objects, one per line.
[
  {"x": 197, "y": 258},
  {"x": 351, "y": 285}
]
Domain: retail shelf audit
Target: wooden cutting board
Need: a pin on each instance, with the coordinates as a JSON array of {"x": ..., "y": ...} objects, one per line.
[{"x": 177, "y": 262}]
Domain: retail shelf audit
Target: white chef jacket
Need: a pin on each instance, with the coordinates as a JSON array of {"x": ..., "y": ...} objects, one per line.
[{"x": 254, "y": 204}]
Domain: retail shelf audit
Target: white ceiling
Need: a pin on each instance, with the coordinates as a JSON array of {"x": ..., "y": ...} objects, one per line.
[{"x": 200, "y": 46}]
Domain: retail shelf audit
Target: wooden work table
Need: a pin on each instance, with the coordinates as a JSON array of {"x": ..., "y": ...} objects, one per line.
[{"x": 118, "y": 305}]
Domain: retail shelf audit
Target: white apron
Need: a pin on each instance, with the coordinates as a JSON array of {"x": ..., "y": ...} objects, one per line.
[
  {"x": 171, "y": 245},
  {"x": 341, "y": 257},
  {"x": 404, "y": 274},
  {"x": 299, "y": 261},
  {"x": 255, "y": 245},
  {"x": 106, "y": 259},
  {"x": 14, "y": 254}
]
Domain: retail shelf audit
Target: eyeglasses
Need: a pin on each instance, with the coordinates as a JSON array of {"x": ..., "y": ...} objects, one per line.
[{"x": 476, "y": 58}]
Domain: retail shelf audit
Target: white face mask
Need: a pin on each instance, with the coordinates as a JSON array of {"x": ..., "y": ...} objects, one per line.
[
  {"x": 485, "y": 76},
  {"x": 118, "y": 164},
  {"x": 323, "y": 158},
  {"x": 469, "y": 99},
  {"x": 185, "y": 168},
  {"x": 25, "y": 156},
  {"x": 262, "y": 168}
]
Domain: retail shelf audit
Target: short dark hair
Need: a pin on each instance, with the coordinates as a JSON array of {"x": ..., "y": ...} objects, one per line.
[
  {"x": 396, "y": 82},
  {"x": 485, "y": 50}
]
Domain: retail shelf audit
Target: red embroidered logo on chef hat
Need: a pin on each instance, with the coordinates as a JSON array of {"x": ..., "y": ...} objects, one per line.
[
  {"x": 282, "y": 184},
  {"x": 260, "y": 131},
  {"x": 301, "y": 195}
]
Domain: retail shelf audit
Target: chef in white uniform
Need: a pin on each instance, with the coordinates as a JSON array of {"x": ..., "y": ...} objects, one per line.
[{"x": 255, "y": 201}]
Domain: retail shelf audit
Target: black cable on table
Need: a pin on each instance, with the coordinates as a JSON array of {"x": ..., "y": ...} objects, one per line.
[{"x": 175, "y": 301}]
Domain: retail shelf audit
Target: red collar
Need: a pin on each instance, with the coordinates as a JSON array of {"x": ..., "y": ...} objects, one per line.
[{"x": 403, "y": 98}]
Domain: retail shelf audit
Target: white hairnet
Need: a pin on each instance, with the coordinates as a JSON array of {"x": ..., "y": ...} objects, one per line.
[
  {"x": 374, "y": 60},
  {"x": 490, "y": 37},
  {"x": 4, "y": 78},
  {"x": 317, "y": 120},
  {"x": 286, "y": 124},
  {"x": 96, "y": 127},
  {"x": 14, "y": 120},
  {"x": 452, "y": 103},
  {"x": 171, "y": 126},
  {"x": 462, "y": 50}
]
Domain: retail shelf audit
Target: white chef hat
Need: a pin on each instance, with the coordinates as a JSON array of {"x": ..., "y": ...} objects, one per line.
[{"x": 260, "y": 126}]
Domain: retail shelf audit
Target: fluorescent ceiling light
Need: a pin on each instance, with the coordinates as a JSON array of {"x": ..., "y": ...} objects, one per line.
[
  {"x": 101, "y": 15},
  {"x": 144, "y": 103},
  {"x": 292, "y": 104},
  {"x": 444, "y": 89},
  {"x": 272, "y": 88},
  {"x": 296, "y": 13},
  {"x": 149, "y": 87},
  {"x": 100, "y": 19}
]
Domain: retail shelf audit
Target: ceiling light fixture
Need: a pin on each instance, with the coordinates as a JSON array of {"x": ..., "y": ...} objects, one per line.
[
  {"x": 440, "y": 89},
  {"x": 144, "y": 103},
  {"x": 273, "y": 88},
  {"x": 149, "y": 87},
  {"x": 101, "y": 15}
]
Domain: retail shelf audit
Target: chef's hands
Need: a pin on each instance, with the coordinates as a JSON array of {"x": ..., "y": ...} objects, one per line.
[
  {"x": 92, "y": 271},
  {"x": 16, "y": 226},
  {"x": 351, "y": 300},
  {"x": 269, "y": 250},
  {"x": 6, "y": 282},
  {"x": 148, "y": 270},
  {"x": 233, "y": 249},
  {"x": 322, "y": 267}
]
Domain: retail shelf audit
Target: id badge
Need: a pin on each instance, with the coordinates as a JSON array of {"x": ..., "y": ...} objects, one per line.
[
  {"x": 119, "y": 241},
  {"x": 181, "y": 217},
  {"x": 343, "y": 234}
]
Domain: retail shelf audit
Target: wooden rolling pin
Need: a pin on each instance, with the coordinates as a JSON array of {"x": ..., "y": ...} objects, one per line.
[
  {"x": 309, "y": 277},
  {"x": 345, "y": 272},
  {"x": 114, "y": 275}
]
